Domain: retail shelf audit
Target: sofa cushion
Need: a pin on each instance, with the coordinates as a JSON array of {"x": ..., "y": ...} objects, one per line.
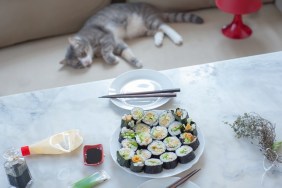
[{"x": 32, "y": 19}]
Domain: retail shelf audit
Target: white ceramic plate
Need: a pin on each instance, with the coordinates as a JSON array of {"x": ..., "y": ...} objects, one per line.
[
  {"x": 136, "y": 81},
  {"x": 115, "y": 146},
  {"x": 164, "y": 182}
]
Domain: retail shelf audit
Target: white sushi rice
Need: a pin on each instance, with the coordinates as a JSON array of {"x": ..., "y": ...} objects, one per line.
[
  {"x": 183, "y": 150},
  {"x": 168, "y": 157},
  {"x": 166, "y": 118},
  {"x": 159, "y": 132},
  {"x": 129, "y": 143},
  {"x": 126, "y": 153},
  {"x": 157, "y": 147},
  {"x": 175, "y": 128},
  {"x": 150, "y": 118},
  {"x": 143, "y": 138},
  {"x": 153, "y": 162},
  {"x": 172, "y": 143},
  {"x": 145, "y": 154},
  {"x": 141, "y": 127}
]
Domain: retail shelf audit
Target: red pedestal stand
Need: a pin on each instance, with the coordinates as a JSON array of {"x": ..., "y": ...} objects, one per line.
[{"x": 237, "y": 29}]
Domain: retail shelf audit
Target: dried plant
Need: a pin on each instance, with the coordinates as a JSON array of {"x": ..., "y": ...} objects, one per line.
[{"x": 260, "y": 130}]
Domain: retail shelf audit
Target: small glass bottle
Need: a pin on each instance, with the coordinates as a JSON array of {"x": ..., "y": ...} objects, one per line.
[{"x": 16, "y": 169}]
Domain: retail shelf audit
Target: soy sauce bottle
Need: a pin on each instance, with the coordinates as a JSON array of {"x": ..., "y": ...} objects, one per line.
[{"x": 16, "y": 169}]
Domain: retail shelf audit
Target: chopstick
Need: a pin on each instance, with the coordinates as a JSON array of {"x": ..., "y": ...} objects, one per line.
[
  {"x": 183, "y": 179},
  {"x": 142, "y": 94}
]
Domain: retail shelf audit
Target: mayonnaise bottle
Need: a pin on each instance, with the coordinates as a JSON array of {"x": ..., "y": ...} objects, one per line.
[{"x": 60, "y": 143}]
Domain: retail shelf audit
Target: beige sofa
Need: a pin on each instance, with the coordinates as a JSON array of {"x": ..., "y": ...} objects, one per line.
[{"x": 34, "y": 34}]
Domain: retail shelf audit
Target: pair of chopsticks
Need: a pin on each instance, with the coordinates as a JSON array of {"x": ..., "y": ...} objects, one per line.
[
  {"x": 143, "y": 94},
  {"x": 183, "y": 179}
]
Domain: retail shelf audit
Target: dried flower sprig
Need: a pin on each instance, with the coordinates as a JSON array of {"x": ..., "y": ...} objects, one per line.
[{"x": 258, "y": 129}]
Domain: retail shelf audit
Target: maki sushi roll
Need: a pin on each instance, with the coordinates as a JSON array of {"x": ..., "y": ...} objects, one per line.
[
  {"x": 126, "y": 133},
  {"x": 166, "y": 118},
  {"x": 190, "y": 126},
  {"x": 150, "y": 118},
  {"x": 143, "y": 139},
  {"x": 124, "y": 156},
  {"x": 136, "y": 164},
  {"x": 137, "y": 113},
  {"x": 127, "y": 121},
  {"x": 180, "y": 115},
  {"x": 144, "y": 153},
  {"x": 156, "y": 148},
  {"x": 141, "y": 127},
  {"x": 185, "y": 154},
  {"x": 169, "y": 160},
  {"x": 129, "y": 143},
  {"x": 189, "y": 139},
  {"x": 153, "y": 166},
  {"x": 175, "y": 128},
  {"x": 159, "y": 132},
  {"x": 172, "y": 143}
]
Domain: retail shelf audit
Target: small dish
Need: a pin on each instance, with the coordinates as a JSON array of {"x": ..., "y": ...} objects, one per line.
[
  {"x": 93, "y": 155},
  {"x": 137, "y": 81}
]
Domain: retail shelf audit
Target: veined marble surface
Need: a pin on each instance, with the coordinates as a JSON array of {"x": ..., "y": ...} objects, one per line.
[{"x": 212, "y": 93}]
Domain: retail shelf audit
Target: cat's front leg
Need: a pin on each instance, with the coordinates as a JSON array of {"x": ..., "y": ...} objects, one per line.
[
  {"x": 108, "y": 55},
  {"x": 125, "y": 52}
]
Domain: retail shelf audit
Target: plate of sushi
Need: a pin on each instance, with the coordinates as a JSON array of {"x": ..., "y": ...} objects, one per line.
[
  {"x": 139, "y": 81},
  {"x": 156, "y": 143}
]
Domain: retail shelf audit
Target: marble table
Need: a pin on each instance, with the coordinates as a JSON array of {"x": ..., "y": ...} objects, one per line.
[{"x": 212, "y": 93}]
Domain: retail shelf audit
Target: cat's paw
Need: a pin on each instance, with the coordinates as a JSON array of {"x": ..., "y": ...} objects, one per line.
[
  {"x": 158, "y": 39},
  {"x": 178, "y": 40},
  {"x": 136, "y": 63}
]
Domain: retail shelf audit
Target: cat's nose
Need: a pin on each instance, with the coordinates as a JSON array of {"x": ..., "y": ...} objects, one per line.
[{"x": 87, "y": 63}]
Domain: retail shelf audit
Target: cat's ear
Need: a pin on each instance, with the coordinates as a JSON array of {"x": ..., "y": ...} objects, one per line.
[
  {"x": 74, "y": 41},
  {"x": 64, "y": 62}
]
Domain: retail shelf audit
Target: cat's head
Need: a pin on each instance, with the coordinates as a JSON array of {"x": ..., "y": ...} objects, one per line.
[{"x": 79, "y": 53}]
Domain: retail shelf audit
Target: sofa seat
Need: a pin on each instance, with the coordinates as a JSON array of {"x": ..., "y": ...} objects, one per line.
[{"x": 35, "y": 65}]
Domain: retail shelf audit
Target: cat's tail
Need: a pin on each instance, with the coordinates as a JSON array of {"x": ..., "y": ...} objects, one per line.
[{"x": 173, "y": 17}]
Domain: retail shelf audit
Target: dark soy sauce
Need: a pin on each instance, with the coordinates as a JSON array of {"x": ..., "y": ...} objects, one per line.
[{"x": 93, "y": 155}]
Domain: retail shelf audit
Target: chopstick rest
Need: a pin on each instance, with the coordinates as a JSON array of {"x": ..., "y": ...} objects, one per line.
[
  {"x": 143, "y": 94},
  {"x": 183, "y": 179}
]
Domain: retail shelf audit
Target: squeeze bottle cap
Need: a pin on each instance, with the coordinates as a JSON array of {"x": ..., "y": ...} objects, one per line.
[{"x": 25, "y": 150}]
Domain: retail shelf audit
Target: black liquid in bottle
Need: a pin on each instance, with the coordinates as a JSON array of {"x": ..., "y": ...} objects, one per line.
[{"x": 16, "y": 169}]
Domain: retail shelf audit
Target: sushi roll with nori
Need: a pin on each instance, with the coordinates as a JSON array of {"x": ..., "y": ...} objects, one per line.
[
  {"x": 185, "y": 154},
  {"x": 166, "y": 118},
  {"x": 144, "y": 153},
  {"x": 124, "y": 156},
  {"x": 150, "y": 118},
  {"x": 126, "y": 133},
  {"x": 189, "y": 139},
  {"x": 180, "y": 115},
  {"x": 156, "y": 148},
  {"x": 137, "y": 163},
  {"x": 143, "y": 139},
  {"x": 174, "y": 128},
  {"x": 142, "y": 127},
  {"x": 137, "y": 113},
  {"x": 127, "y": 121},
  {"x": 153, "y": 166},
  {"x": 190, "y": 127},
  {"x": 169, "y": 160},
  {"x": 159, "y": 132},
  {"x": 172, "y": 143},
  {"x": 129, "y": 143}
]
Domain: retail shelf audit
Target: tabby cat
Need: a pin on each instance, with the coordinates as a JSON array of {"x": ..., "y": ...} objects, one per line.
[{"x": 104, "y": 33}]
